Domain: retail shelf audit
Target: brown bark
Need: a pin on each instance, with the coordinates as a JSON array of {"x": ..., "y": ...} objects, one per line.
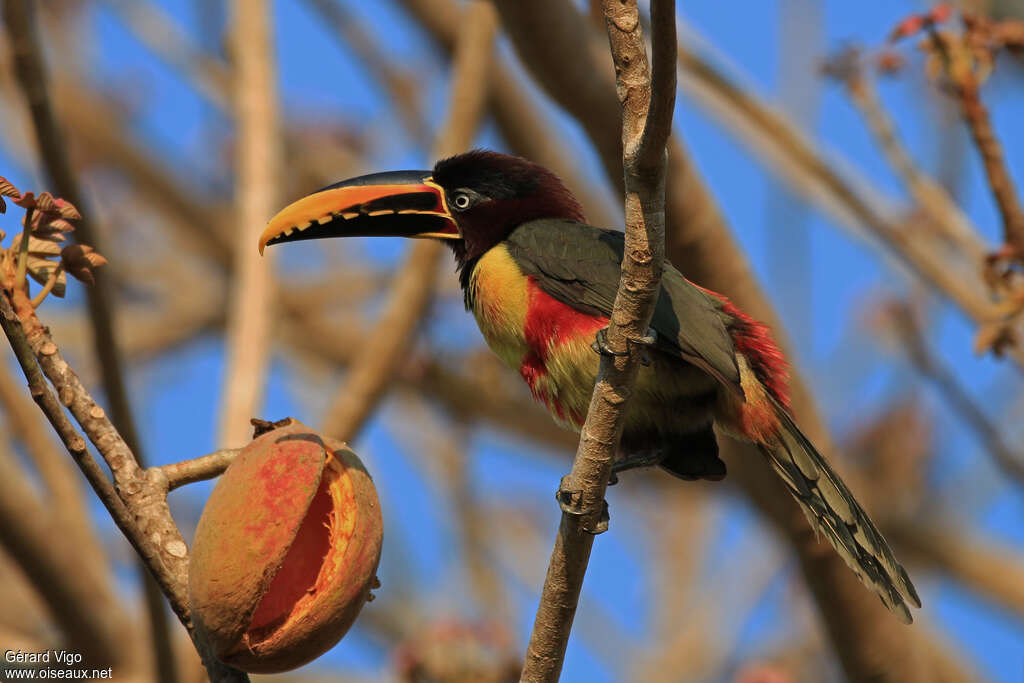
[
  {"x": 30, "y": 69},
  {"x": 648, "y": 99},
  {"x": 252, "y": 303},
  {"x": 198, "y": 469},
  {"x": 409, "y": 300},
  {"x": 979, "y": 123},
  {"x": 137, "y": 501},
  {"x": 77, "y": 595},
  {"x": 870, "y": 643}
]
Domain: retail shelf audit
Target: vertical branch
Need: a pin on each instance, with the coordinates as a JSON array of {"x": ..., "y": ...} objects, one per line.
[
  {"x": 648, "y": 101},
  {"x": 414, "y": 287},
  {"x": 788, "y": 250},
  {"x": 31, "y": 72},
  {"x": 251, "y": 305},
  {"x": 700, "y": 244}
]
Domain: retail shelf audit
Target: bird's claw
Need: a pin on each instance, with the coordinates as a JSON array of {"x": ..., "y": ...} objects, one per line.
[
  {"x": 571, "y": 503},
  {"x": 601, "y": 347}
]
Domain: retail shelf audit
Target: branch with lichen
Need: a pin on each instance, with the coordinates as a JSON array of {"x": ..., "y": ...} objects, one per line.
[{"x": 648, "y": 99}]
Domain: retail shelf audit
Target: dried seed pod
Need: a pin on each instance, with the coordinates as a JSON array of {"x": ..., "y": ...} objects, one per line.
[{"x": 286, "y": 551}]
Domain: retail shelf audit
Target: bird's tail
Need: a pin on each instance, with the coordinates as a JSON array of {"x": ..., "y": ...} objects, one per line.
[{"x": 834, "y": 513}]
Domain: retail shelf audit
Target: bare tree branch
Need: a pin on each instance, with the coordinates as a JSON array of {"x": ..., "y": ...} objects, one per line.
[
  {"x": 77, "y": 595},
  {"x": 139, "y": 504},
  {"x": 252, "y": 303},
  {"x": 198, "y": 469},
  {"x": 904, "y": 320},
  {"x": 866, "y": 638},
  {"x": 646, "y": 123},
  {"x": 967, "y": 87},
  {"x": 31, "y": 71},
  {"x": 413, "y": 290}
]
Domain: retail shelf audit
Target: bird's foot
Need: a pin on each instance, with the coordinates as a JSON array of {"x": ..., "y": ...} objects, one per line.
[
  {"x": 633, "y": 461},
  {"x": 571, "y": 503},
  {"x": 601, "y": 347}
]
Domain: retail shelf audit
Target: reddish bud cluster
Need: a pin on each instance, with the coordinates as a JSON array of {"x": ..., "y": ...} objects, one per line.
[{"x": 916, "y": 23}]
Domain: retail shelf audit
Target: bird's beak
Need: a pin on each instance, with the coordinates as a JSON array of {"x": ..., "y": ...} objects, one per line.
[{"x": 395, "y": 204}]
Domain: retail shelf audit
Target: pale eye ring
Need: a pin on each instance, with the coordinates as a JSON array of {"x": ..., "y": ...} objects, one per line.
[{"x": 461, "y": 201}]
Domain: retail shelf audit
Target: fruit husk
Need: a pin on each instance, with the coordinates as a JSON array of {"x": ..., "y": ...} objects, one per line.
[{"x": 289, "y": 490}]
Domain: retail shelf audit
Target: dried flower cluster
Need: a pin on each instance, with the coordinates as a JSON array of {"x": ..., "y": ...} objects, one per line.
[
  {"x": 47, "y": 220},
  {"x": 959, "y": 58}
]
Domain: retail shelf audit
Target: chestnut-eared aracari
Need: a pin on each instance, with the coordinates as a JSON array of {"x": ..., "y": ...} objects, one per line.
[{"x": 540, "y": 283}]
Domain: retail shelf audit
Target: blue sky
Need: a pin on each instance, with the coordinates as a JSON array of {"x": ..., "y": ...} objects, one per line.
[{"x": 318, "y": 80}]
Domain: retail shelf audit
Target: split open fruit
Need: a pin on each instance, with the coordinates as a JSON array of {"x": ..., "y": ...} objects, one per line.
[{"x": 286, "y": 551}]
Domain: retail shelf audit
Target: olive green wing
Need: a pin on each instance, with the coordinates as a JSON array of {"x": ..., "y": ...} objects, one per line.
[{"x": 579, "y": 265}]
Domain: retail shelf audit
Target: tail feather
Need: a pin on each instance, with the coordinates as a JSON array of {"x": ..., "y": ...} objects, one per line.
[{"x": 834, "y": 513}]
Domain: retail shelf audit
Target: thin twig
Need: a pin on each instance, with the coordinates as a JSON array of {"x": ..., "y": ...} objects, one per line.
[
  {"x": 29, "y": 65},
  {"x": 251, "y": 304},
  {"x": 48, "y": 287},
  {"x": 646, "y": 123},
  {"x": 198, "y": 469},
  {"x": 967, "y": 88},
  {"x": 22, "y": 270},
  {"x": 31, "y": 72},
  {"x": 949, "y": 387},
  {"x": 413, "y": 290},
  {"x": 649, "y": 157},
  {"x": 139, "y": 504}
]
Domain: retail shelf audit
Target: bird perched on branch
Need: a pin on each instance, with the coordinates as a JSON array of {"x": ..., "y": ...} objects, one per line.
[{"x": 541, "y": 282}]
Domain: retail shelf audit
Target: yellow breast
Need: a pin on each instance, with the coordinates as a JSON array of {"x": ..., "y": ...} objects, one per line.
[{"x": 499, "y": 296}]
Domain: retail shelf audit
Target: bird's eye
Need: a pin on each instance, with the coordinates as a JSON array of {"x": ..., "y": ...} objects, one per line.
[{"x": 461, "y": 201}]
